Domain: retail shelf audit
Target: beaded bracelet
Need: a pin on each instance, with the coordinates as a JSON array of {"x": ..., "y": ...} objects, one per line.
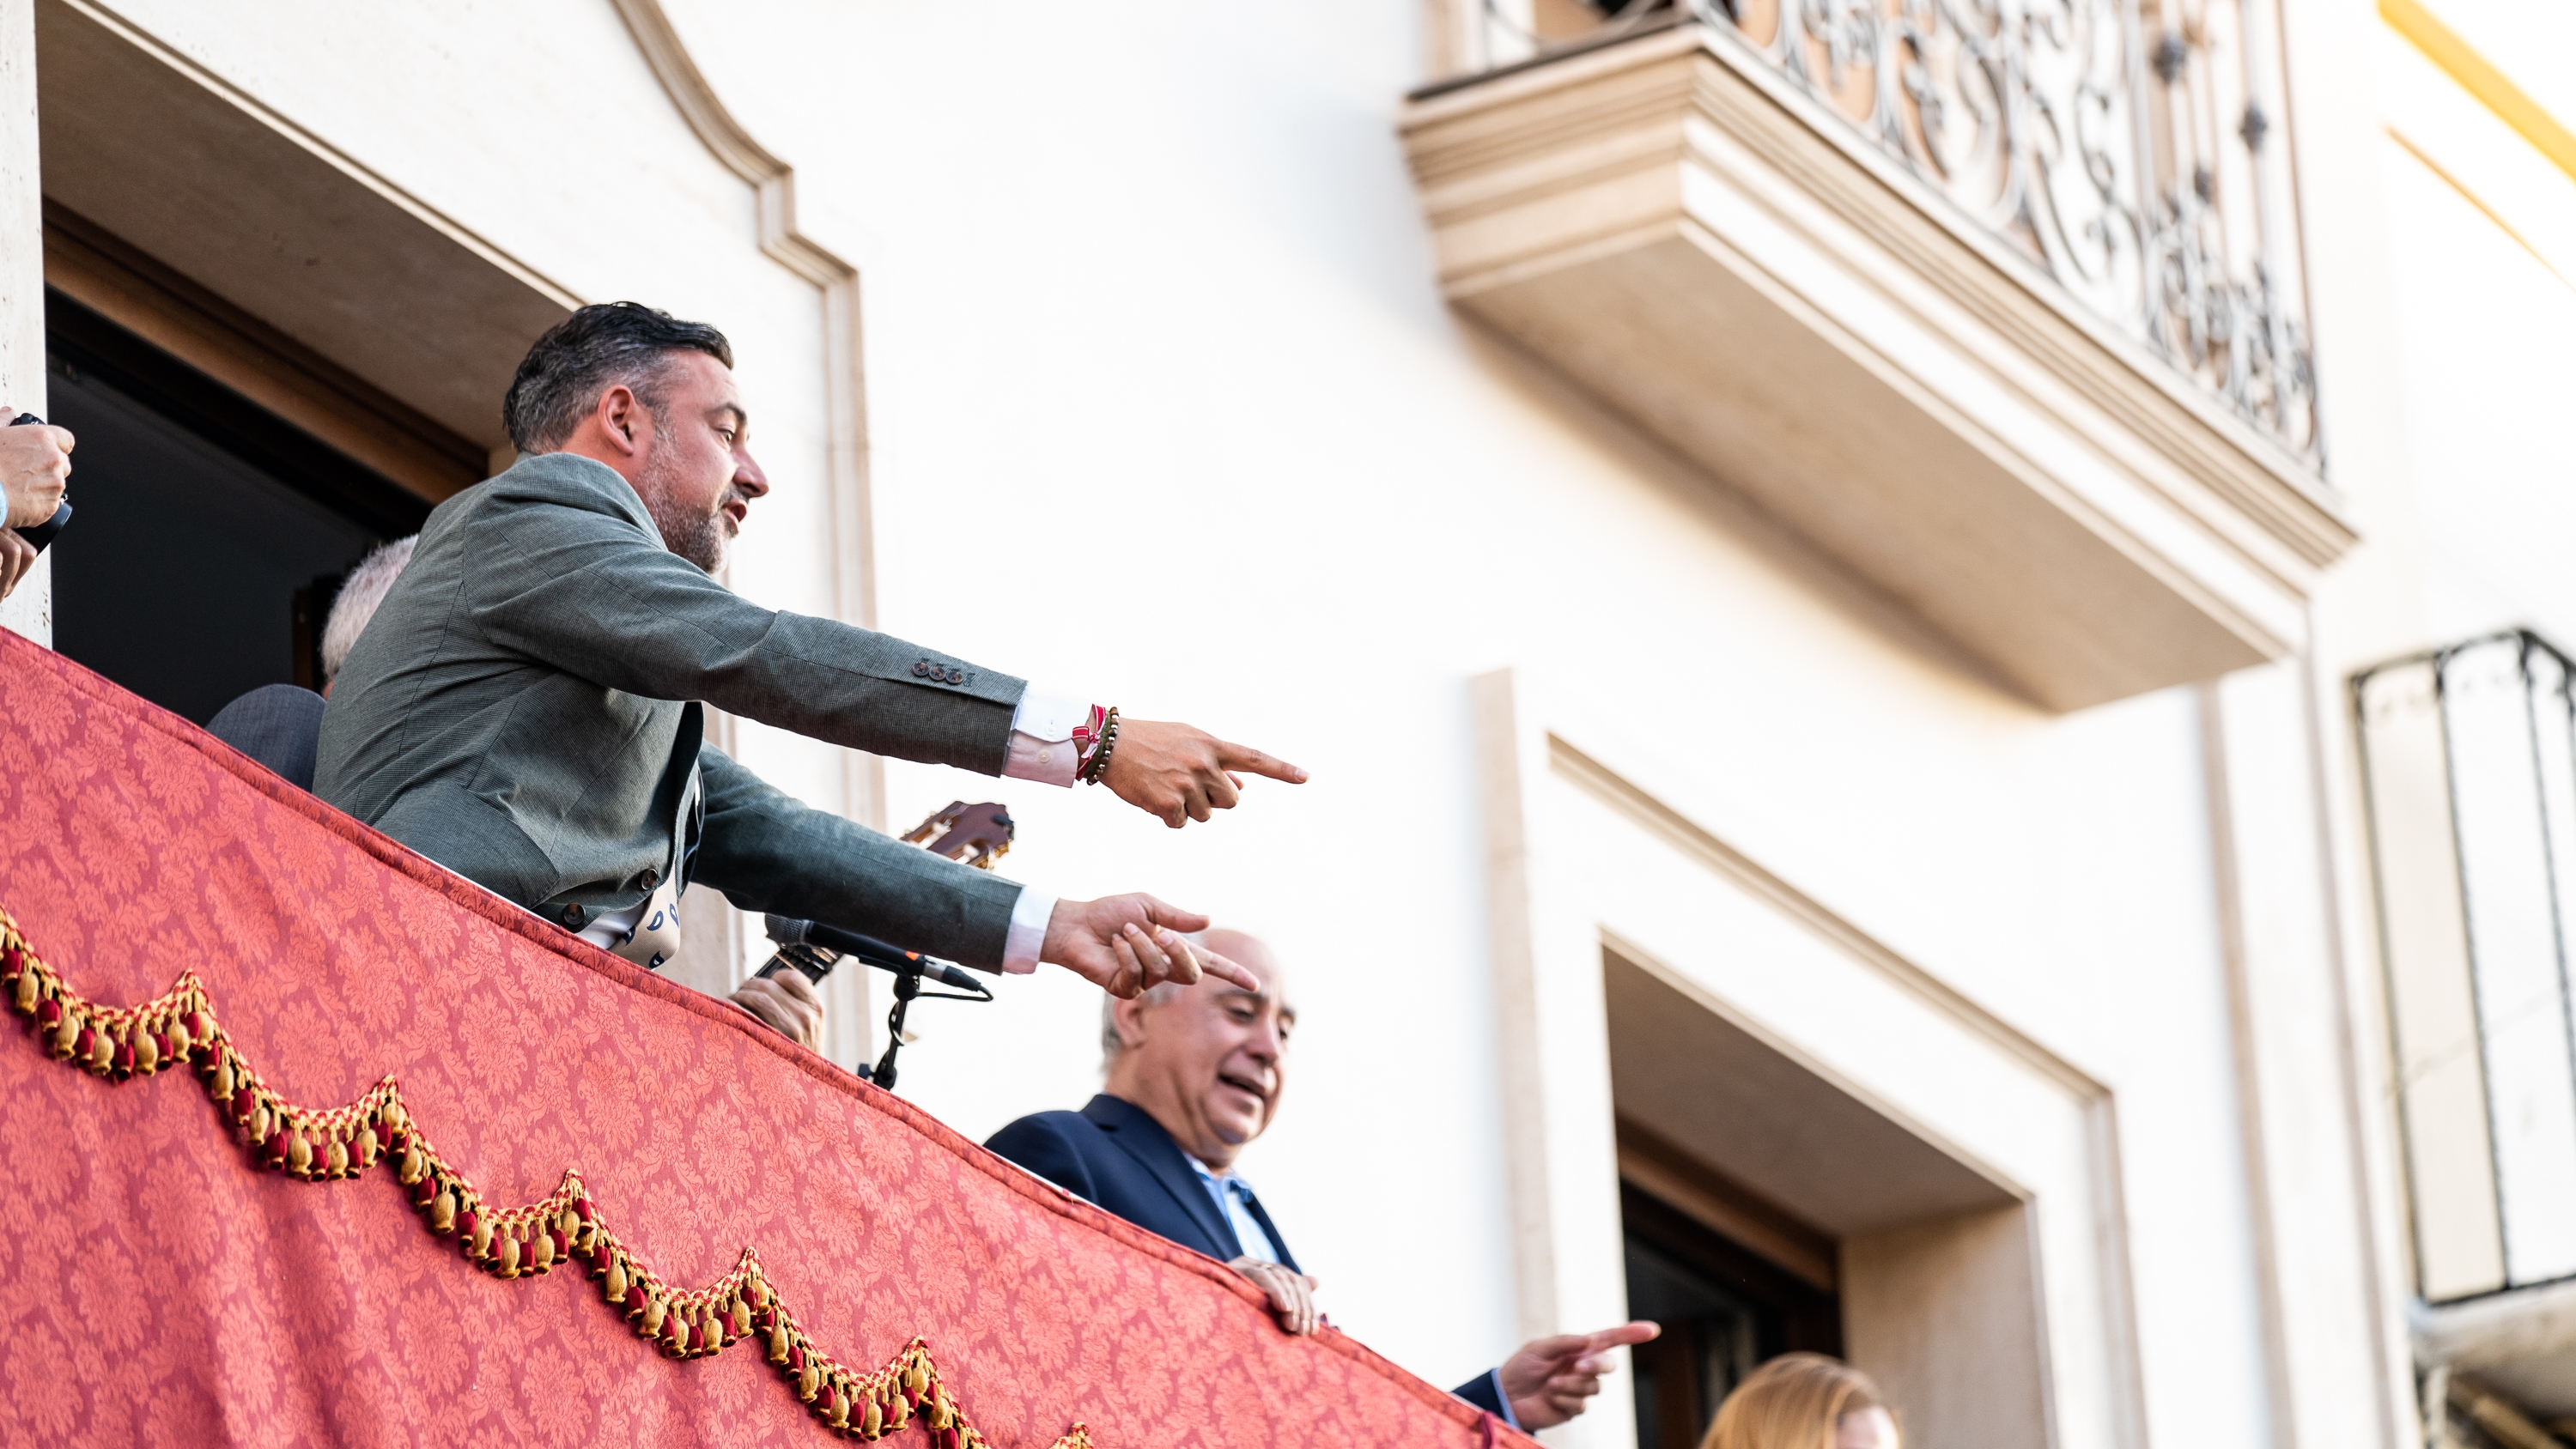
[{"x": 1096, "y": 768}]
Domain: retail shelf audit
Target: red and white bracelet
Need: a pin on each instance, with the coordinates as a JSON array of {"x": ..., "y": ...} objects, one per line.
[{"x": 1093, "y": 740}]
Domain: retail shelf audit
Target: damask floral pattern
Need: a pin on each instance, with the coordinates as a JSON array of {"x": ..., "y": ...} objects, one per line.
[{"x": 165, "y": 1289}]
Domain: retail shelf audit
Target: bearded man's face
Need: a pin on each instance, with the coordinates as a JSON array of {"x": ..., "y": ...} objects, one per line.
[{"x": 698, "y": 480}]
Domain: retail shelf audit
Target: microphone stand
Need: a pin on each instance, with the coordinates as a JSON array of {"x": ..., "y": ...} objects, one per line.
[{"x": 907, "y": 989}]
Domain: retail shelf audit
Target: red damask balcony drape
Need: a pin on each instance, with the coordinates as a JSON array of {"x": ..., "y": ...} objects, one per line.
[{"x": 166, "y": 1284}]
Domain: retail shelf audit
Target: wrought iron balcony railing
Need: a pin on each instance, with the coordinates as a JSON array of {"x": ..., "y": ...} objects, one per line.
[
  {"x": 2125, "y": 146},
  {"x": 2469, "y": 755}
]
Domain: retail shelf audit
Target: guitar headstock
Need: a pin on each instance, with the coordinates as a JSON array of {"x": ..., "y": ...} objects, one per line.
[{"x": 976, "y": 834}]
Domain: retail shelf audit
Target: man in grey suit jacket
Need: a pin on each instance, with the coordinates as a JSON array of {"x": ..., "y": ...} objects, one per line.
[{"x": 526, "y": 709}]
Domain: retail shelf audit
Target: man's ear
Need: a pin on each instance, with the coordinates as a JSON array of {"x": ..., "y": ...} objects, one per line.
[
  {"x": 1129, "y": 1017},
  {"x": 623, "y": 421}
]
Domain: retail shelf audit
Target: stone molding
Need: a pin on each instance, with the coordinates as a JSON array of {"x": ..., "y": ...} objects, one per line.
[
  {"x": 1687, "y": 237},
  {"x": 773, "y": 184}
]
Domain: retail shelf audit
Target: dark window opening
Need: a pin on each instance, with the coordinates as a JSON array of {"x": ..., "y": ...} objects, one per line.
[
  {"x": 1724, "y": 1309},
  {"x": 211, "y": 535}
]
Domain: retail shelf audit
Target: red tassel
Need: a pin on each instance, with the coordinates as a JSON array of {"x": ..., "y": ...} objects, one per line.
[{"x": 49, "y": 1013}]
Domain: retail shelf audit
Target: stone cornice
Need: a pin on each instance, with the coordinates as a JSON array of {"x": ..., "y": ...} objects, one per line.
[{"x": 1576, "y": 176}]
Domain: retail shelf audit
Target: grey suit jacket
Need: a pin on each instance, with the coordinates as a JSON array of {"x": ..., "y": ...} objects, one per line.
[{"x": 524, "y": 710}]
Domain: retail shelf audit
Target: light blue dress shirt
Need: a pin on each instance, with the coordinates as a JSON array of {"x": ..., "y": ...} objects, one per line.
[{"x": 1231, "y": 1194}]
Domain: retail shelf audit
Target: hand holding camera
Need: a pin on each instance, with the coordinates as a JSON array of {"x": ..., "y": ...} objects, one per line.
[{"x": 35, "y": 465}]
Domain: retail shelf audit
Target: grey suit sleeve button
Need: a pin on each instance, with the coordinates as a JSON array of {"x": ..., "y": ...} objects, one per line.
[
  {"x": 652, "y": 878},
  {"x": 921, "y": 669},
  {"x": 957, "y": 676},
  {"x": 573, "y": 914}
]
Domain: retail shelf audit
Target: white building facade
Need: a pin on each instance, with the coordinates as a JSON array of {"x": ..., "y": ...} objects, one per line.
[{"x": 1829, "y": 563}]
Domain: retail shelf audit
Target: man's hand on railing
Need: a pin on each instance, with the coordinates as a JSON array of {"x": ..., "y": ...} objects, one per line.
[{"x": 1292, "y": 1294}]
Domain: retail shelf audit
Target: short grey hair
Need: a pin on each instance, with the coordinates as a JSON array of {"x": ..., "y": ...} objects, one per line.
[
  {"x": 582, "y": 356},
  {"x": 1110, "y": 1045},
  {"x": 368, "y": 584}
]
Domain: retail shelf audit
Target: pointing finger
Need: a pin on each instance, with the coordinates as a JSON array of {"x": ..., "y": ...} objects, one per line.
[
  {"x": 1639, "y": 1331},
  {"x": 1223, "y": 969},
  {"x": 1244, "y": 757}
]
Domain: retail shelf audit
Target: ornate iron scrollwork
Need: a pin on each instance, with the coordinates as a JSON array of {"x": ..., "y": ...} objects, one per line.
[{"x": 2119, "y": 144}]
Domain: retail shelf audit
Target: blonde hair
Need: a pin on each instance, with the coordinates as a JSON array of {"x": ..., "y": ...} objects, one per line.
[{"x": 1793, "y": 1402}]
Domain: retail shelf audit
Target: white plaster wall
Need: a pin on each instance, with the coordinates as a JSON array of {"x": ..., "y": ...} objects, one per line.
[
  {"x": 2463, "y": 478},
  {"x": 2489, "y": 365},
  {"x": 29, "y": 608},
  {"x": 1164, "y": 406},
  {"x": 2442, "y": 356}
]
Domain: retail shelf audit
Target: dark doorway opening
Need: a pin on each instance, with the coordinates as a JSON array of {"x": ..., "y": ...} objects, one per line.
[
  {"x": 1724, "y": 1309},
  {"x": 211, "y": 534}
]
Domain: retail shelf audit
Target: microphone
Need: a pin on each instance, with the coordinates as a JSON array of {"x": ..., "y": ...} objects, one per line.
[
  {"x": 43, "y": 533},
  {"x": 814, "y": 949}
]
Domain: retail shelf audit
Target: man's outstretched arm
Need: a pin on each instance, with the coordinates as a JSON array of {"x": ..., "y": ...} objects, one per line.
[
  {"x": 577, "y": 578},
  {"x": 770, "y": 852}
]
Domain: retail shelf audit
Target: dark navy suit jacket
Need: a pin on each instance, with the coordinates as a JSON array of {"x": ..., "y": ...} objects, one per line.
[
  {"x": 277, "y": 725},
  {"x": 1118, "y": 1157}
]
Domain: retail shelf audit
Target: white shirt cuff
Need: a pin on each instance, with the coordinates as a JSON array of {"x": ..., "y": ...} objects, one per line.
[
  {"x": 1042, "y": 746},
  {"x": 1048, "y": 762},
  {"x": 1029, "y": 917},
  {"x": 1047, "y": 715}
]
